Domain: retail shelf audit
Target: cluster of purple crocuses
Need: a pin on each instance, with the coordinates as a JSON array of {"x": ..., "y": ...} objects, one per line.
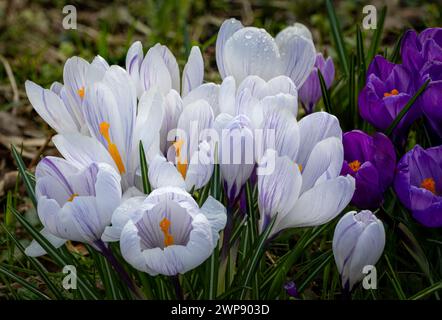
[{"x": 371, "y": 160}]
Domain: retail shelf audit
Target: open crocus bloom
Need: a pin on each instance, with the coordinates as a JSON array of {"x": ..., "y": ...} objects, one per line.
[
  {"x": 188, "y": 163},
  {"x": 116, "y": 126},
  {"x": 166, "y": 233},
  {"x": 61, "y": 105},
  {"x": 418, "y": 184},
  {"x": 304, "y": 188},
  {"x": 74, "y": 204},
  {"x": 358, "y": 241},
  {"x": 371, "y": 160},
  {"x": 389, "y": 88},
  {"x": 310, "y": 92},
  {"x": 243, "y": 51}
]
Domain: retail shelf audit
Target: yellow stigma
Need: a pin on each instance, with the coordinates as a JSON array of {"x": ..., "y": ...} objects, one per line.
[
  {"x": 165, "y": 226},
  {"x": 393, "y": 92},
  {"x": 181, "y": 164},
  {"x": 81, "y": 92},
  {"x": 300, "y": 167},
  {"x": 355, "y": 165},
  {"x": 112, "y": 147},
  {"x": 72, "y": 197},
  {"x": 429, "y": 184}
]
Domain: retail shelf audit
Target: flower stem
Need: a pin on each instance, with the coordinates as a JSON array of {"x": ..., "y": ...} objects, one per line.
[
  {"x": 110, "y": 257},
  {"x": 177, "y": 286}
]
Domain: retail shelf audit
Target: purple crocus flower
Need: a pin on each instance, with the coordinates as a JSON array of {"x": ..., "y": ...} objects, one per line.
[
  {"x": 418, "y": 184},
  {"x": 371, "y": 161},
  {"x": 388, "y": 89},
  {"x": 422, "y": 55},
  {"x": 310, "y": 92},
  {"x": 418, "y": 50}
]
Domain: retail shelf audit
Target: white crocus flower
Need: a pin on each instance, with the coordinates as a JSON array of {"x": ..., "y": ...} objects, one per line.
[
  {"x": 116, "y": 125},
  {"x": 61, "y": 105},
  {"x": 358, "y": 241},
  {"x": 166, "y": 232},
  {"x": 74, "y": 204},
  {"x": 189, "y": 160},
  {"x": 305, "y": 188},
  {"x": 159, "y": 68},
  {"x": 243, "y": 51}
]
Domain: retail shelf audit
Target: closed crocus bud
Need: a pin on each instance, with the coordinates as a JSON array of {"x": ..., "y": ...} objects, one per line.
[
  {"x": 310, "y": 92},
  {"x": 358, "y": 241}
]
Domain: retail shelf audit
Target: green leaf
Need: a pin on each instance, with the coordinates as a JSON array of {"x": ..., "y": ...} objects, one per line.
[
  {"x": 362, "y": 65},
  {"x": 396, "y": 54},
  {"x": 433, "y": 288},
  {"x": 59, "y": 259},
  {"x": 29, "y": 185},
  {"x": 325, "y": 93},
  {"x": 258, "y": 252},
  {"x": 376, "y": 40},
  {"x": 23, "y": 282},
  {"x": 43, "y": 273},
  {"x": 337, "y": 36},
  {"x": 407, "y": 107},
  {"x": 144, "y": 171},
  {"x": 394, "y": 279}
]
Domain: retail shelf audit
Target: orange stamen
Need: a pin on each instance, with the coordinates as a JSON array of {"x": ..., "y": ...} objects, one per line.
[
  {"x": 165, "y": 226},
  {"x": 72, "y": 197},
  {"x": 393, "y": 92},
  {"x": 354, "y": 165},
  {"x": 112, "y": 147},
  {"x": 181, "y": 163},
  {"x": 81, "y": 92},
  {"x": 429, "y": 184},
  {"x": 300, "y": 167}
]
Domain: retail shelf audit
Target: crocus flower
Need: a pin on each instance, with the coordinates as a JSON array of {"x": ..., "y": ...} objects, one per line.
[
  {"x": 422, "y": 54},
  {"x": 358, "y": 241},
  {"x": 418, "y": 184},
  {"x": 243, "y": 51},
  {"x": 310, "y": 92},
  {"x": 74, "y": 204},
  {"x": 253, "y": 94},
  {"x": 388, "y": 89},
  {"x": 304, "y": 188},
  {"x": 418, "y": 50},
  {"x": 189, "y": 162},
  {"x": 160, "y": 68},
  {"x": 371, "y": 160},
  {"x": 61, "y": 105},
  {"x": 116, "y": 126},
  {"x": 236, "y": 155},
  {"x": 166, "y": 232}
]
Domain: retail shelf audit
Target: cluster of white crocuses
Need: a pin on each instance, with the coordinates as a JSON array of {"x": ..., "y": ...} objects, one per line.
[{"x": 101, "y": 113}]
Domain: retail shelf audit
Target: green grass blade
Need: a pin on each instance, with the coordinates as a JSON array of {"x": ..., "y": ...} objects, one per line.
[
  {"x": 377, "y": 37},
  {"x": 144, "y": 171},
  {"x": 24, "y": 283},
  {"x": 258, "y": 252},
  {"x": 24, "y": 175},
  {"x": 59, "y": 259},
  {"x": 337, "y": 36},
  {"x": 42, "y": 272},
  {"x": 396, "y": 54},
  {"x": 325, "y": 93},
  {"x": 394, "y": 280},
  {"x": 427, "y": 291},
  {"x": 407, "y": 107}
]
